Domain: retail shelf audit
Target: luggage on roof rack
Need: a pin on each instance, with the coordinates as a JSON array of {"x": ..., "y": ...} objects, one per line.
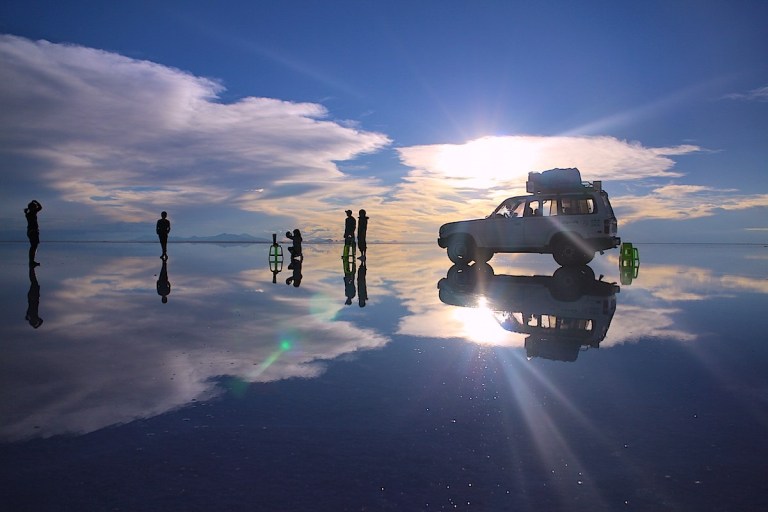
[{"x": 554, "y": 180}]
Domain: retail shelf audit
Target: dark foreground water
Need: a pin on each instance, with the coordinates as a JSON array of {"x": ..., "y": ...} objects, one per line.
[{"x": 401, "y": 385}]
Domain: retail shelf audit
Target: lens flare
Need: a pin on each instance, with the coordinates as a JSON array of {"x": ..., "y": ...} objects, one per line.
[{"x": 284, "y": 346}]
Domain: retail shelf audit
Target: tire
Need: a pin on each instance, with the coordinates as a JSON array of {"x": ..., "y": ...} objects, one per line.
[
  {"x": 461, "y": 249},
  {"x": 568, "y": 252},
  {"x": 570, "y": 282}
]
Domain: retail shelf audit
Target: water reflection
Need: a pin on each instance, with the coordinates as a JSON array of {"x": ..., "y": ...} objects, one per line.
[
  {"x": 295, "y": 278},
  {"x": 362, "y": 286},
  {"x": 163, "y": 285},
  {"x": 349, "y": 276},
  {"x": 33, "y": 299},
  {"x": 560, "y": 313},
  {"x": 126, "y": 359}
]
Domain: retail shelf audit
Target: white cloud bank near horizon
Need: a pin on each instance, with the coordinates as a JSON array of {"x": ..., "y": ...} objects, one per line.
[{"x": 120, "y": 139}]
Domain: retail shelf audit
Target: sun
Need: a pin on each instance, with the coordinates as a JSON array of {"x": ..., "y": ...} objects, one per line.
[
  {"x": 489, "y": 161},
  {"x": 480, "y": 326}
]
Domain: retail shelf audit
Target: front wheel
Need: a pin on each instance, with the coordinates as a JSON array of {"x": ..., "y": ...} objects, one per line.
[
  {"x": 568, "y": 252},
  {"x": 461, "y": 249}
]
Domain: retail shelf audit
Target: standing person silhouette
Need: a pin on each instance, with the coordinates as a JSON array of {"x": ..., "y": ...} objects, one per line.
[
  {"x": 162, "y": 229},
  {"x": 362, "y": 231},
  {"x": 349, "y": 229},
  {"x": 33, "y": 230}
]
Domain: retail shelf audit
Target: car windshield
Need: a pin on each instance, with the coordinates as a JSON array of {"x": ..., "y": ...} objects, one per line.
[{"x": 509, "y": 208}]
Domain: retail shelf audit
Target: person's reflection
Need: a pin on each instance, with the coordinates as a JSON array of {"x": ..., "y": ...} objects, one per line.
[
  {"x": 33, "y": 299},
  {"x": 295, "y": 265},
  {"x": 362, "y": 287},
  {"x": 349, "y": 282},
  {"x": 163, "y": 285}
]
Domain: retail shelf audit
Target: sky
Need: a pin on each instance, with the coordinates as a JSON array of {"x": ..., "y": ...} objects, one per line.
[{"x": 260, "y": 117}]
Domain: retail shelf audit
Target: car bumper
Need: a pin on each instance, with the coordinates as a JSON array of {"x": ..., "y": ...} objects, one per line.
[{"x": 601, "y": 244}]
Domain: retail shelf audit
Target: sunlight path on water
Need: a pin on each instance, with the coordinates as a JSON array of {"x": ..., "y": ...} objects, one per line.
[{"x": 532, "y": 390}]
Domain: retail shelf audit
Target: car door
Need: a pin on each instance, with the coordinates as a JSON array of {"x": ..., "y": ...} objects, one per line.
[
  {"x": 503, "y": 230},
  {"x": 540, "y": 221}
]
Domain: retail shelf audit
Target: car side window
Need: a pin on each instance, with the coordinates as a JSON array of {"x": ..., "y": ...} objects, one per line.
[
  {"x": 541, "y": 208},
  {"x": 577, "y": 206}
]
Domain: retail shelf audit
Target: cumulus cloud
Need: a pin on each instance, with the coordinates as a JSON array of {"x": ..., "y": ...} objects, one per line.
[
  {"x": 472, "y": 178},
  {"x": 121, "y": 135},
  {"x": 684, "y": 202},
  {"x": 505, "y": 161},
  {"x": 113, "y": 138}
]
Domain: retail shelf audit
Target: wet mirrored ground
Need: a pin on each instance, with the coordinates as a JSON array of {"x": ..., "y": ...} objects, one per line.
[{"x": 400, "y": 384}]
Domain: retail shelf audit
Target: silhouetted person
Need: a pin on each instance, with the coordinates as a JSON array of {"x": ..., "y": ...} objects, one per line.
[
  {"x": 349, "y": 283},
  {"x": 295, "y": 265},
  {"x": 33, "y": 300},
  {"x": 163, "y": 285},
  {"x": 33, "y": 230},
  {"x": 362, "y": 230},
  {"x": 295, "y": 250},
  {"x": 362, "y": 287},
  {"x": 163, "y": 228},
  {"x": 349, "y": 229}
]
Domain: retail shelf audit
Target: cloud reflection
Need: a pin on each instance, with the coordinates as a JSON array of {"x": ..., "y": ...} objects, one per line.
[
  {"x": 110, "y": 352},
  {"x": 113, "y": 353}
]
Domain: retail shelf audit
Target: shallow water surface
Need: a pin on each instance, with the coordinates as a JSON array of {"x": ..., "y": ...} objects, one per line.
[{"x": 401, "y": 383}]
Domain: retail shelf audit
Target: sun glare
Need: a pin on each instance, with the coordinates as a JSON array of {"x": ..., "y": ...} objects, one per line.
[
  {"x": 489, "y": 161},
  {"x": 480, "y": 326}
]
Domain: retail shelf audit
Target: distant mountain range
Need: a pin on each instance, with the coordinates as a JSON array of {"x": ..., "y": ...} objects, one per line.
[
  {"x": 221, "y": 237},
  {"x": 74, "y": 236},
  {"x": 241, "y": 238}
]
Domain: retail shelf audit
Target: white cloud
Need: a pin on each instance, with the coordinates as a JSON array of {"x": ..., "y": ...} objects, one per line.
[
  {"x": 116, "y": 138},
  {"x": 759, "y": 94},
  {"x": 453, "y": 181},
  {"x": 506, "y": 161},
  {"x": 124, "y": 136},
  {"x": 684, "y": 202}
]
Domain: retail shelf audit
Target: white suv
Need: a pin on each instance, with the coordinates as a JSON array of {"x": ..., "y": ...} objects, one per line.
[{"x": 563, "y": 216}]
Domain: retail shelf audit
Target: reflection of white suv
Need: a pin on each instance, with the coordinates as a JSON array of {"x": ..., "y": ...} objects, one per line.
[
  {"x": 563, "y": 216},
  {"x": 561, "y": 313}
]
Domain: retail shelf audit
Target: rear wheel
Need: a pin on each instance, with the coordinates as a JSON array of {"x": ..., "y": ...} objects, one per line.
[
  {"x": 461, "y": 249},
  {"x": 571, "y": 252},
  {"x": 570, "y": 282}
]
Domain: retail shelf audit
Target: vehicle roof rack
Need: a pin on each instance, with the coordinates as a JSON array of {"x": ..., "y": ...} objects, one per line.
[{"x": 559, "y": 180}]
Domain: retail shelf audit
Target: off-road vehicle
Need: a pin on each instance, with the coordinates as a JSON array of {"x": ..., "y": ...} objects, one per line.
[{"x": 562, "y": 216}]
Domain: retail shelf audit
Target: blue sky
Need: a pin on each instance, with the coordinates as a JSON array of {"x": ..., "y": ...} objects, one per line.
[{"x": 258, "y": 117}]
